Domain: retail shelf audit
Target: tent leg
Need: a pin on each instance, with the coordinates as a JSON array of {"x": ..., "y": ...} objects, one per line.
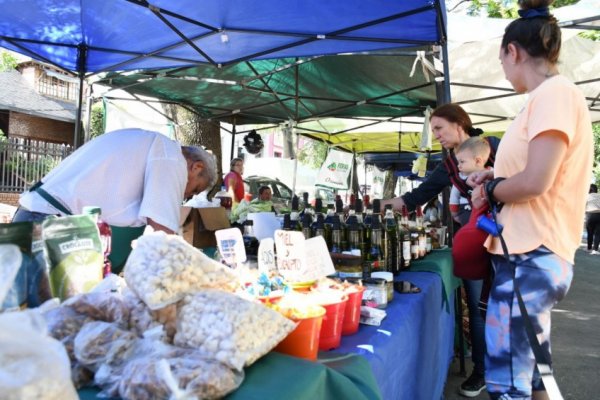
[
  {"x": 295, "y": 158},
  {"x": 76, "y": 135},
  {"x": 81, "y": 64},
  {"x": 232, "y": 140},
  {"x": 88, "y": 116}
]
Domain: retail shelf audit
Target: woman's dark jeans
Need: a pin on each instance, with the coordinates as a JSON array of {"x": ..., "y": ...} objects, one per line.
[{"x": 476, "y": 324}]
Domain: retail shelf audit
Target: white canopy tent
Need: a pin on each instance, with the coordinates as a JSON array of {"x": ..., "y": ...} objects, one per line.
[{"x": 476, "y": 77}]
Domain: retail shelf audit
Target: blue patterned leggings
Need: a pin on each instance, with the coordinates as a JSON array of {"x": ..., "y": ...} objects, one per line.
[{"x": 544, "y": 279}]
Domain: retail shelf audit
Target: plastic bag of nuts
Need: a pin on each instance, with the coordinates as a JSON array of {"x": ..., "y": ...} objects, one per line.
[
  {"x": 188, "y": 376},
  {"x": 207, "y": 321},
  {"x": 163, "y": 268}
]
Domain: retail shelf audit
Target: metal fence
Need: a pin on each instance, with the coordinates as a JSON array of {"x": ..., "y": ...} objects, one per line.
[{"x": 25, "y": 161}]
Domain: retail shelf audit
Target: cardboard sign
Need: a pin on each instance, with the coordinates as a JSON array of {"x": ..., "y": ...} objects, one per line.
[
  {"x": 300, "y": 260},
  {"x": 318, "y": 260},
  {"x": 231, "y": 246},
  {"x": 266, "y": 256},
  {"x": 290, "y": 255}
]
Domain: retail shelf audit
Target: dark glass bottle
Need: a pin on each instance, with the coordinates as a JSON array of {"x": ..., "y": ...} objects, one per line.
[
  {"x": 421, "y": 231},
  {"x": 329, "y": 224},
  {"x": 368, "y": 223},
  {"x": 339, "y": 208},
  {"x": 295, "y": 223},
  {"x": 318, "y": 226},
  {"x": 336, "y": 236},
  {"x": 306, "y": 228},
  {"x": 404, "y": 239},
  {"x": 318, "y": 206},
  {"x": 391, "y": 241},
  {"x": 375, "y": 259},
  {"x": 287, "y": 222},
  {"x": 250, "y": 241},
  {"x": 339, "y": 213}
]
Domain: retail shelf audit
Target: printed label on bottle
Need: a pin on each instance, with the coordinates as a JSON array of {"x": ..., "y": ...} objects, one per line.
[
  {"x": 346, "y": 274},
  {"x": 414, "y": 251},
  {"x": 406, "y": 252}
]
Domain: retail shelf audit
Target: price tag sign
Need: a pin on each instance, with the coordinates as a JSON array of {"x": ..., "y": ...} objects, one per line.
[
  {"x": 318, "y": 260},
  {"x": 290, "y": 255},
  {"x": 231, "y": 246},
  {"x": 266, "y": 256}
]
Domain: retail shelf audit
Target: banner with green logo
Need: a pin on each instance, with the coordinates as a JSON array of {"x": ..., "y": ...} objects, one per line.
[{"x": 335, "y": 170}]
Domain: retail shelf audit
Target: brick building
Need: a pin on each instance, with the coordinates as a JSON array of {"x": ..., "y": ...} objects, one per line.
[{"x": 37, "y": 104}]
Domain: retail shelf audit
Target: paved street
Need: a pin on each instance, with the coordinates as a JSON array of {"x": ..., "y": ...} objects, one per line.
[{"x": 575, "y": 337}]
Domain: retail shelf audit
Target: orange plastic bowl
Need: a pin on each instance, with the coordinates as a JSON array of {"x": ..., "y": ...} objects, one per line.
[{"x": 303, "y": 341}]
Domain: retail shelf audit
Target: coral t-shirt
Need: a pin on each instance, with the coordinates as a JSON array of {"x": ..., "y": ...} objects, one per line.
[{"x": 555, "y": 218}]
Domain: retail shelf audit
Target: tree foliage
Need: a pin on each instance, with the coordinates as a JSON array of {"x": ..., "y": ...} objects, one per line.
[
  {"x": 505, "y": 8},
  {"x": 312, "y": 153},
  {"x": 508, "y": 9},
  {"x": 193, "y": 129},
  {"x": 97, "y": 120},
  {"x": 8, "y": 62}
]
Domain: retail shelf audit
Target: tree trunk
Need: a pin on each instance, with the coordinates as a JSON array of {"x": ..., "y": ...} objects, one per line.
[
  {"x": 389, "y": 184},
  {"x": 192, "y": 129},
  {"x": 354, "y": 184},
  {"x": 289, "y": 143}
]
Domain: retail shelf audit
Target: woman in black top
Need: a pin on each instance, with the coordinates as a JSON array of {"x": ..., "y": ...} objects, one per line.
[{"x": 451, "y": 125}]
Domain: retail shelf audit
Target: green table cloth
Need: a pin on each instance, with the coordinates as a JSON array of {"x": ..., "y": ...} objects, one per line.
[
  {"x": 439, "y": 262},
  {"x": 279, "y": 376}
]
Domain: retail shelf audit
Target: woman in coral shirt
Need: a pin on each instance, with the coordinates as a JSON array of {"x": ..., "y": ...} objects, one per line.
[{"x": 541, "y": 175}]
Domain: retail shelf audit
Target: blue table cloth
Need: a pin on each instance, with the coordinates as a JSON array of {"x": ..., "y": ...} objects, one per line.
[{"x": 411, "y": 351}]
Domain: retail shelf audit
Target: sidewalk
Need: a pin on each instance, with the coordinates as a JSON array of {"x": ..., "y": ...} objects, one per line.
[{"x": 575, "y": 337}]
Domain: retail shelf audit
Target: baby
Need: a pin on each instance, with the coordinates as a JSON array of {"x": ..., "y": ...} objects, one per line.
[{"x": 472, "y": 155}]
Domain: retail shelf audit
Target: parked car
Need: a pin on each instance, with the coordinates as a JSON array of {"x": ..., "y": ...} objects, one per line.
[
  {"x": 282, "y": 194},
  {"x": 325, "y": 194}
]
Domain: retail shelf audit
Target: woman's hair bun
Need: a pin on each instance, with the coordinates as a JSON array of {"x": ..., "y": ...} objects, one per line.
[{"x": 475, "y": 131}]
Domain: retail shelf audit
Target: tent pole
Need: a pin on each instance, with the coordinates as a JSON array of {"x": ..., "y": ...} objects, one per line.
[
  {"x": 232, "y": 140},
  {"x": 365, "y": 167},
  {"x": 88, "y": 116},
  {"x": 293, "y": 128},
  {"x": 81, "y": 61}
]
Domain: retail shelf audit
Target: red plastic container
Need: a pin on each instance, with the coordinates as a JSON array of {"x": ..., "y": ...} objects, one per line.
[
  {"x": 303, "y": 341},
  {"x": 352, "y": 313},
  {"x": 331, "y": 330}
]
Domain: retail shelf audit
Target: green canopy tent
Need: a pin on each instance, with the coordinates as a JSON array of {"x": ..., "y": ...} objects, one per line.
[{"x": 363, "y": 89}]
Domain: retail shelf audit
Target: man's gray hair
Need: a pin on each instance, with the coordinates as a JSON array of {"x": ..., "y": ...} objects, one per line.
[{"x": 194, "y": 153}]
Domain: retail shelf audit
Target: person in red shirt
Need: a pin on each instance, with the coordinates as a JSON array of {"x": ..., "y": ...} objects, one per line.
[{"x": 234, "y": 179}]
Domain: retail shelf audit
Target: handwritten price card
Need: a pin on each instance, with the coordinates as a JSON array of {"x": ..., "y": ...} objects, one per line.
[
  {"x": 266, "y": 256},
  {"x": 291, "y": 255}
]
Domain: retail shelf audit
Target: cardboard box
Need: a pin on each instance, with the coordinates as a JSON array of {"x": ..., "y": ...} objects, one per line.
[{"x": 201, "y": 223}]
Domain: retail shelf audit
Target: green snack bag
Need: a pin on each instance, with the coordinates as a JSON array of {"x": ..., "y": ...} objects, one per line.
[{"x": 74, "y": 253}]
